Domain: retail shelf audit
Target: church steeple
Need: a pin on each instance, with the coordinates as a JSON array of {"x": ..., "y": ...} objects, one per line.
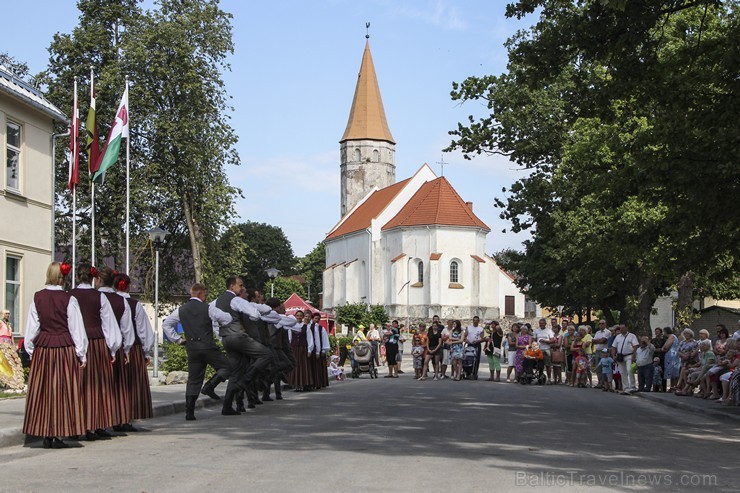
[
  {"x": 367, "y": 116},
  {"x": 367, "y": 146}
]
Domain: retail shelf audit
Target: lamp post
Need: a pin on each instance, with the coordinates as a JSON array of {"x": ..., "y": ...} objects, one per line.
[
  {"x": 156, "y": 235},
  {"x": 272, "y": 273},
  {"x": 560, "y": 311}
]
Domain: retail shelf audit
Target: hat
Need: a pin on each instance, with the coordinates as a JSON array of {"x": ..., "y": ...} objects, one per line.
[
  {"x": 361, "y": 327},
  {"x": 605, "y": 350}
]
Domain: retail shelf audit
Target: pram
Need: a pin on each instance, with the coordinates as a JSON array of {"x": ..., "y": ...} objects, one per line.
[
  {"x": 362, "y": 360},
  {"x": 468, "y": 361},
  {"x": 533, "y": 372}
]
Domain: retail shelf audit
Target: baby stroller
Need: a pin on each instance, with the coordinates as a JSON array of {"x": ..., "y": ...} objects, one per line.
[
  {"x": 534, "y": 372},
  {"x": 468, "y": 361},
  {"x": 362, "y": 360}
]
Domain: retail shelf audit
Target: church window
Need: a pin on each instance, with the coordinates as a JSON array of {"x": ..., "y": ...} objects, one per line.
[
  {"x": 357, "y": 155},
  {"x": 376, "y": 156},
  {"x": 420, "y": 267},
  {"x": 454, "y": 271}
]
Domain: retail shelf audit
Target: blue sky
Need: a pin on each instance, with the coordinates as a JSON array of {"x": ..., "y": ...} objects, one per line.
[{"x": 293, "y": 77}]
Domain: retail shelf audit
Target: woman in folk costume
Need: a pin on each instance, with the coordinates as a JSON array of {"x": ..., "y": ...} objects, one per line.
[
  {"x": 140, "y": 354},
  {"x": 320, "y": 347},
  {"x": 301, "y": 378},
  {"x": 57, "y": 343},
  {"x": 123, "y": 411},
  {"x": 104, "y": 339}
]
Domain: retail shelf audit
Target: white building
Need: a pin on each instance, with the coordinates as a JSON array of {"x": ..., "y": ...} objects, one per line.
[
  {"x": 26, "y": 126},
  {"x": 415, "y": 246}
]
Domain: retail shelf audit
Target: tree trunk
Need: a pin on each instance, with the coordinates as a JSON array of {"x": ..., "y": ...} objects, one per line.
[
  {"x": 686, "y": 291},
  {"x": 640, "y": 323},
  {"x": 607, "y": 311},
  {"x": 195, "y": 237}
]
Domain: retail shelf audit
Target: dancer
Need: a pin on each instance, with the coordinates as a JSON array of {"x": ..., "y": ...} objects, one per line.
[
  {"x": 57, "y": 343},
  {"x": 320, "y": 348},
  {"x": 301, "y": 378},
  {"x": 197, "y": 319},
  {"x": 104, "y": 339}
]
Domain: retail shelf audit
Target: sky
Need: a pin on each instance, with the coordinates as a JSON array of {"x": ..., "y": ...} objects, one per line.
[{"x": 293, "y": 77}]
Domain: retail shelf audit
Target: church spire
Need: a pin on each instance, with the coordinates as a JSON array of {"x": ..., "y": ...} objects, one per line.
[{"x": 367, "y": 116}]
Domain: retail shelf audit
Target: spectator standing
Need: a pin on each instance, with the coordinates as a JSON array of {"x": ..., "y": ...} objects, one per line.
[
  {"x": 475, "y": 339},
  {"x": 373, "y": 335},
  {"x": 6, "y": 330},
  {"x": 624, "y": 346},
  {"x": 567, "y": 340},
  {"x": 494, "y": 350},
  {"x": 433, "y": 351},
  {"x": 522, "y": 343},
  {"x": 606, "y": 370},
  {"x": 511, "y": 339},
  {"x": 645, "y": 369},
  {"x": 671, "y": 362},
  {"x": 417, "y": 352},
  {"x": 659, "y": 341},
  {"x": 457, "y": 342},
  {"x": 545, "y": 337},
  {"x": 558, "y": 354},
  {"x": 600, "y": 341},
  {"x": 445, "y": 357}
]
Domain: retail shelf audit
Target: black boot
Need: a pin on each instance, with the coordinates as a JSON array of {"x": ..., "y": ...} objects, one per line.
[
  {"x": 210, "y": 386},
  {"x": 190, "y": 407},
  {"x": 227, "y": 409}
]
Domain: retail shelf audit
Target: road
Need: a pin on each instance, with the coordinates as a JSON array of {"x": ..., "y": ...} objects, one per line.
[{"x": 404, "y": 435}]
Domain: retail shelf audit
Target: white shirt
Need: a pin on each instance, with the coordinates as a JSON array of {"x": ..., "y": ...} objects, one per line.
[
  {"x": 313, "y": 347},
  {"x": 373, "y": 335},
  {"x": 475, "y": 334},
  {"x": 602, "y": 334},
  {"x": 74, "y": 323},
  {"x": 280, "y": 321},
  {"x": 645, "y": 355},
  {"x": 143, "y": 326},
  {"x": 126, "y": 326},
  {"x": 253, "y": 310},
  {"x": 108, "y": 323},
  {"x": 219, "y": 317},
  {"x": 541, "y": 335},
  {"x": 629, "y": 344}
]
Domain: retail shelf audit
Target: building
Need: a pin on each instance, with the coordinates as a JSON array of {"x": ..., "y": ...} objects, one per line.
[
  {"x": 414, "y": 246},
  {"x": 26, "y": 192}
]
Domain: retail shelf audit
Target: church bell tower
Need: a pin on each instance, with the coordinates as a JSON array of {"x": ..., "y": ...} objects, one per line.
[{"x": 367, "y": 146}]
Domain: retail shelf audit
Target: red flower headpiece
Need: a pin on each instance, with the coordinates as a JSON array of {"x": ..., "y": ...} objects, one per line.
[
  {"x": 93, "y": 271},
  {"x": 65, "y": 268},
  {"x": 115, "y": 272},
  {"x": 122, "y": 285}
]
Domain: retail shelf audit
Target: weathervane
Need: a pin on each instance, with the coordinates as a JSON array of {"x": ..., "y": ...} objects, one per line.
[{"x": 367, "y": 33}]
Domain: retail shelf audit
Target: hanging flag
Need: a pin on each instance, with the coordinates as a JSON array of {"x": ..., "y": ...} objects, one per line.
[
  {"x": 74, "y": 142},
  {"x": 91, "y": 129},
  {"x": 118, "y": 131}
]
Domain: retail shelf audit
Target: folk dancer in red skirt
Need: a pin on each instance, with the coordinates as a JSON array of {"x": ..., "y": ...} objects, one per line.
[
  {"x": 123, "y": 411},
  {"x": 301, "y": 378},
  {"x": 57, "y": 343},
  {"x": 321, "y": 346},
  {"x": 104, "y": 339},
  {"x": 141, "y": 352}
]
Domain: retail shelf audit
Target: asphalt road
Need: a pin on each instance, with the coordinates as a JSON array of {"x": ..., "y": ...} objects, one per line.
[{"x": 404, "y": 435}]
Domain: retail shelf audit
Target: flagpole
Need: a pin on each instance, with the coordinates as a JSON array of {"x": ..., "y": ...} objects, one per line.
[
  {"x": 92, "y": 183},
  {"x": 75, "y": 153},
  {"x": 128, "y": 198}
]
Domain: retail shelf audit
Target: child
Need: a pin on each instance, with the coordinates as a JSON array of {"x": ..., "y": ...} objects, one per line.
[
  {"x": 417, "y": 352},
  {"x": 657, "y": 375},
  {"x": 335, "y": 371},
  {"x": 617, "y": 377},
  {"x": 582, "y": 368},
  {"x": 606, "y": 370}
]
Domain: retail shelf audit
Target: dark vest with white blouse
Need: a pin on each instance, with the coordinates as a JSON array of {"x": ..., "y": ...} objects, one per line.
[
  {"x": 51, "y": 305},
  {"x": 197, "y": 325},
  {"x": 132, "y": 305},
  {"x": 317, "y": 339},
  {"x": 90, "y": 305},
  {"x": 299, "y": 339}
]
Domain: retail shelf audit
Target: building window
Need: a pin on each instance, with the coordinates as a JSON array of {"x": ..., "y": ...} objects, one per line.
[
  {"x": 509, "y": 306},
  {"x": 454, "y": 271},
  {"x": 420, "y": 268},
  {"x": 376, "y": 156},
  {"x": 13, "y": 290},
  {"x": 13, "y": 154},
  {"x": 357, "y": 155}
]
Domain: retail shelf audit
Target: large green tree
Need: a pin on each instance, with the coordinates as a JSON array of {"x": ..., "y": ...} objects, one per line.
[
  {"x": 270, "y": 248},
  {"x": 625, "y": 115},
  {"x": 311, "y": 267}
]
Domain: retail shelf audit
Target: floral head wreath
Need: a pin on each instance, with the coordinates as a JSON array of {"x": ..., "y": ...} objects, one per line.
[
  {"x": 65, "y": 268},
  {"x": 93, "y": 271},
  {"x": 122, "y": 285}
]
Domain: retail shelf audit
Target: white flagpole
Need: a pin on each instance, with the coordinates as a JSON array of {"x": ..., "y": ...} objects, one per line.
[
  {"x": 128, "y": 198},
  {"x": 92, "y": 183},
  {"x": 75, "y": 153}
]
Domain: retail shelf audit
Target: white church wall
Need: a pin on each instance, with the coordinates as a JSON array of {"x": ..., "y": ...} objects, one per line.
[{"x": 508, "y": 288}]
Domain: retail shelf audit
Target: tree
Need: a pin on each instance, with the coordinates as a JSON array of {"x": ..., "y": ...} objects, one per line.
[
  {"x": 625, "y": 115},
  {"x": 355, "y": 314},
  {"x": 20, "y": 69},
  {"x": 270, "y": 249},
  {"x": 311, "y": 267},
  {"x": 283, "y": 288}
]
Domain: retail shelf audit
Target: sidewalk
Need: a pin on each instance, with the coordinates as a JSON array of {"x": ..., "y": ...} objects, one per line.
[
  {"x": 693, "y": 405},
  {"x": 166, "y": 400}
]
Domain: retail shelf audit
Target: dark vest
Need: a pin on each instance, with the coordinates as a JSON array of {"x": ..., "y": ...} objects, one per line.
[
  {"x": 317, "y": 339},
  {"x": 223, "y": 303},
  {"x": 299, "y": 339},
  {"x": 275, "y": 340},
  {"x": 197, "y": 325},
  {"x": 264, "y": 332},
  {"x": 132, "y": 305},
  {"x": 117, "y": 303},
  {"x": 89, "y": 300},
  {"x": 52, "y": 309},
  {"x": 251, "y": 327}
]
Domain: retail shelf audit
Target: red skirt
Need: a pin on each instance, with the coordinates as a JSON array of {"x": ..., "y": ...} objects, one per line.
[
  {"x": 97, "y": 387},
  {"x": 122, "y": 401},
  {"x": 301, "y": 375},
  {"x": 54, "y": 403},
  {"x": 138, "y": 379}
]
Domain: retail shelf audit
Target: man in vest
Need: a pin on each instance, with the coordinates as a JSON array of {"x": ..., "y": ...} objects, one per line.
[
  {"x": 197, "y": 320},
  {"x": 247, "y": 356}
]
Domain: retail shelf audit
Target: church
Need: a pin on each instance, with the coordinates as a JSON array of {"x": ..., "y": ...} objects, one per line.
[{"x": 414, "y": 246}]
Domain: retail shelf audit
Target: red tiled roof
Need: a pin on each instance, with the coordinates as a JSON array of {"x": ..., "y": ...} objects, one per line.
[
  {"x": 368, "y": 210},
  {"x": 476, "y": 257},
  {"x": 398, "y": 257},
  {"x": 435, "y": 256},
  {"x": 436, "y": 202}
]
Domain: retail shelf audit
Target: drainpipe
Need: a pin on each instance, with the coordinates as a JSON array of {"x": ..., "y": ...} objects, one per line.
[{"x": 53, "y": 189}]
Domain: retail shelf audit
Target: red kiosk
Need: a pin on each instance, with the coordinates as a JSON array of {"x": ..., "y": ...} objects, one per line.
[{"x": 295, "y": 303}]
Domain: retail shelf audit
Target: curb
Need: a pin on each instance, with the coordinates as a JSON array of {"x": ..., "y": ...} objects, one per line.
[
  {"x": 715, "y": 413},
  {"x": 11, "y": 437}
]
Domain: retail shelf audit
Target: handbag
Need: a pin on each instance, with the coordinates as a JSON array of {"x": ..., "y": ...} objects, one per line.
[
  {"x": 620, "y": 356},
  {"x": 557, "y": 356}
]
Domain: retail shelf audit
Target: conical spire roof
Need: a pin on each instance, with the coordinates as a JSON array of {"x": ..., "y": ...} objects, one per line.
[{"x": 367, "y": 117}]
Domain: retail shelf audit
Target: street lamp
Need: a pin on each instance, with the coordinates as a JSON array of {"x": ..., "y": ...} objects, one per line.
[
  {"x": 560, "y": 311},
  {"x": 272, "y": 273},
  {"x": 156, "y": 235}
]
